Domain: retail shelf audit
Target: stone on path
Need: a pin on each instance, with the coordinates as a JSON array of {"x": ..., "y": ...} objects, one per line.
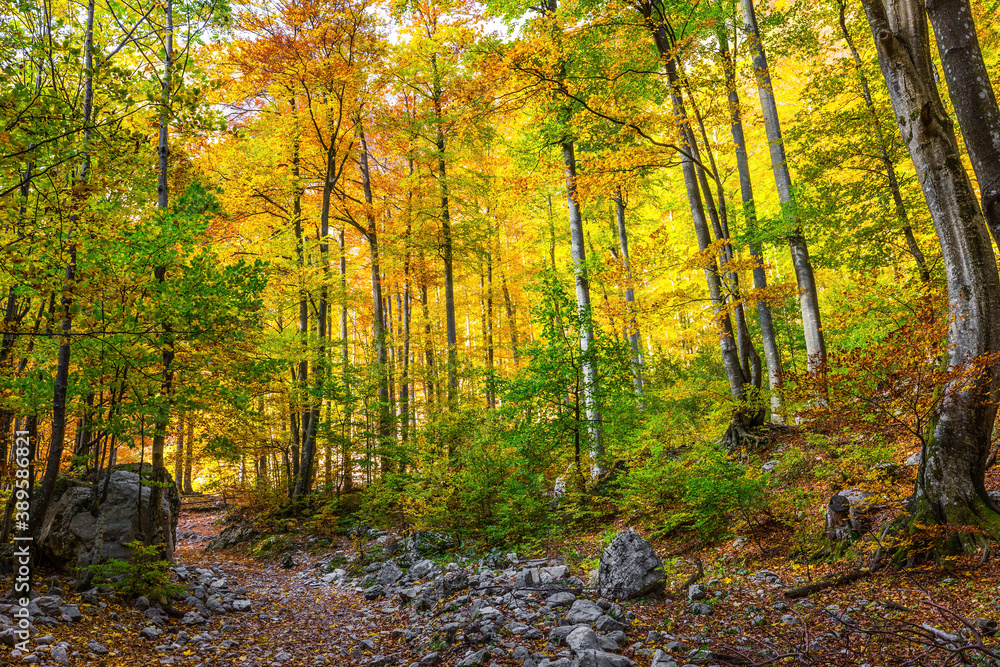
[{"x": 584, "y": 611}]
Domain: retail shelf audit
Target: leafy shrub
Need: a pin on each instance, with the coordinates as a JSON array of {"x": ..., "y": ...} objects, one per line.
[
  {"x": 704, "y": 491},
  {"x": 144, "y": 573}
]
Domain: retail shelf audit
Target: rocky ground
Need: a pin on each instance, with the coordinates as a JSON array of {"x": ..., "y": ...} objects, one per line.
[{"x": 318, "y": 606}]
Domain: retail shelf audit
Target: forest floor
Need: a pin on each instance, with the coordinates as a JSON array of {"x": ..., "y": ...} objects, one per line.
[{"x": 295, "y": 619}]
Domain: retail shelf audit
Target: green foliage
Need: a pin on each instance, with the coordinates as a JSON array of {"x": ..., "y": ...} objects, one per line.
[
  {"x": 271, "y": 546},
  {"x": 144, "y": 573},
  {"x": 703, "y": 490}
]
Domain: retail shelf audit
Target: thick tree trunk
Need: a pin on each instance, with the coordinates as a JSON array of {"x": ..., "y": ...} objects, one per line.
[
  {"x": 890, "y": 169},
  {"x": 585, "y": 317},
  {"x": 812, "y": 326},
  {"x": 950, "y": 484},
  {"x": 972, "y": 96},
  {"x": 632, "y": 320},
  {"x": 769, "y": 340}
]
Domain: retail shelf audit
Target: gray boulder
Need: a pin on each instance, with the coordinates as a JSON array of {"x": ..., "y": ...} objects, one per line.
[
  {"x": 581, "y": 639},
  {"x": 560, "y": 599},
  {"x": 389, "y": 574},
  {"x": 69, "y": 529},
  {"x": 421, "y": 569},
  {"x": 598, "y": 658},
  {"x": 584, "y": 611},
  {"x": 629, "y": 568}
]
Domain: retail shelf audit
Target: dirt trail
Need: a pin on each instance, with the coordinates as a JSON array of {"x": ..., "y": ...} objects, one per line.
[{"x": 292, "y": 621}]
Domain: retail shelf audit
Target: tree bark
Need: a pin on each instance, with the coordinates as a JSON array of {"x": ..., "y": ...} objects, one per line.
[
  {"x": 745, "y": 419},
  {"x": 378, "y": 317},
  {"x": 179, "y": 460},
  {"x": 772, "y": 355},
  {"x": 812, "y": 326},
  {"x": 585, "y": 317},
  {"x": 950, "y": 486},
  {"x": 632, "y": 321},
  {"x": 189, "y": 459},
  {"x": 972, "y": 96},
  {"x": 346, "y": 464},
  {"x": 446, "y": 241},
  {"x": 890, "y": 169}
]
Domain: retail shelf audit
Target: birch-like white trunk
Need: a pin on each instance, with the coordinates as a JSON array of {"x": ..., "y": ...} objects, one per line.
[{"x": 812, "y": 325}]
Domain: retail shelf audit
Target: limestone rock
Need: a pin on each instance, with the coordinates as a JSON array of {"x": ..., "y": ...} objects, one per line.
[
  {"x": 584, "y": 611},
  {"x": 69, "y": 529},
  {"x": 629, "y": 568},
  {"x": 581, "y": 639}
]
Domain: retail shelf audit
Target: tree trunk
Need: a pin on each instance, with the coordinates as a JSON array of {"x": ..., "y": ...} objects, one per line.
[
  {"x": 378, "y": 317},
  {"x": 446, "y": 243},
  {"x": 404, "y": 379},
  {"x": 189, "y": 459},
  {"x": 585, "y": 317},
  {"x": 749, "y": 359},
  {"x": 950, "y": 485},
  {"x": 746, "y": 418},
  {"x": 179, "y": 460},
  {"x": 347, "y": 467},
  {"x": 972, "y": 96},
  {"x": 161, "y": 420},
  {"x": 890, "y": 169},
  {"x": 511, "y": 318},
  {"x": 632, "y": 322},
  {"x": 57, "y": 436},
  {"x": 772, "y": 356},
  {"x": 805, "y": 279}
]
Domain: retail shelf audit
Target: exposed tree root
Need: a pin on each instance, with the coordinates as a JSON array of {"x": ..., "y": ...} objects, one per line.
[
  {"x": 743, "y": 435},
  {"x": 966, "y": 527}
]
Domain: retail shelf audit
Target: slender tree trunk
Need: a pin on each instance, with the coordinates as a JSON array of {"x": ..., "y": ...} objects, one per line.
[
  {"x": 747, "y": 417},
  {"x": 347, "y": 465},
  {"x": 632, "y": 321},
  {"x": 156, "y": 531},
  {"x": 972, "y": 96},
  {"x": 429, "y": 388},
  {"x": 446, "y": 241},
  {"x": 950, "y": 485},
  {"x": 769, "y": 340},
  {"x": 404, "y": 379},
  {"x": 189, "y": 459},
  {"x": 511, "y": 318},
  {"x": 307, "y": 460},
  {"x": 57, "y": 436},
  {"x": 749, "y": 359},
  {"x": 890, "y": 169},
  {"x": 585, "y": 321},
  {"x": 179, "y": 460},
  {"x": 378, "y": 317},
  {"x": 808, "y": 296}
]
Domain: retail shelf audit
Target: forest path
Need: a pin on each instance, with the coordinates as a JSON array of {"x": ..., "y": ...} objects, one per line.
[{"x": 293, "y": 620}]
